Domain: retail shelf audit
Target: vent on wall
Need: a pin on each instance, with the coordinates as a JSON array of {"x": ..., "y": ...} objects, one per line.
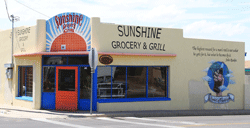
[{"x": 63, "y": 47}]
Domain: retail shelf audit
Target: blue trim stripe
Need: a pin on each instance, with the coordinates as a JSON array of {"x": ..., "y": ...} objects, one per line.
[
  {"x": 25, "y": 77},
  {"x": 147, "y": 82},
  {"x": 79, "y": 73},
  {"x": 167, "y": 81},
  {"x": 111, "y": 82},
  {"x": 42, "y": 85},
  {"x": 24, "y": 98},
  {"x": 126, "y": 82},
  {"x": 19, "y": 70}
]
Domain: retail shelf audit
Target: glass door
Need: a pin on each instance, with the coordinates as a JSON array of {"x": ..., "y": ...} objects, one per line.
[{"x": 66, "y": 88}]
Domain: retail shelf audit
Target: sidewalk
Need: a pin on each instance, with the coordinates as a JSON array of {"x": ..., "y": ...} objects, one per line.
[{"x": 20, "y": 112}]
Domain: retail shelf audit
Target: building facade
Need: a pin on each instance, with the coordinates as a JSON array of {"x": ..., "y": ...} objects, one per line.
[{"x": 139, "y": 68}]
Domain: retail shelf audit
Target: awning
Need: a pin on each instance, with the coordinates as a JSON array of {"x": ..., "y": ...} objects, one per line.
[{"x": 86, "y": 53}]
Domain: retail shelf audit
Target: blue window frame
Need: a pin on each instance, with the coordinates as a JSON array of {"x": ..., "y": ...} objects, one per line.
[
  {"x": 132, "y": 83},
  {"x": 25, "y": 83}
]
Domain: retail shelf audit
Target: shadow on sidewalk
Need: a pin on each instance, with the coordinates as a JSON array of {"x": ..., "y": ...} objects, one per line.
[{"x": 51, "y": 112}]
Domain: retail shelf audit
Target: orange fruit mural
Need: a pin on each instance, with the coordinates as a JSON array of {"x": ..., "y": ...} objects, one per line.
[{"x": 72, "y": 41}]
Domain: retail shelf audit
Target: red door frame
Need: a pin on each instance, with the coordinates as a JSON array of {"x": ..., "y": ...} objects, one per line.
[{"x": 67, "y": 100}]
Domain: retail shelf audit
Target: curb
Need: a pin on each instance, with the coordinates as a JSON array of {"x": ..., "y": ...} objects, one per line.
[
  {"x": 23, "y": 113},
  {"x": 176, "y": 113}
]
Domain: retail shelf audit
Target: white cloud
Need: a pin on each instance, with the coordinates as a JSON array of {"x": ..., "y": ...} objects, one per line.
[
  {"x": 205, "y": 27},
  {"x": 161, "y": 12},
  {"x": 108, "y": 8}
]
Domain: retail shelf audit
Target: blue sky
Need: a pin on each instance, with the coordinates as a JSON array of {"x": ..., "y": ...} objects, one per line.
[{"x": 206, "y": 19}]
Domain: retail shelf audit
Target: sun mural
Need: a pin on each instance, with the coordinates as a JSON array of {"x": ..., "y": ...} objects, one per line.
[{"x": 68, "y": 32}]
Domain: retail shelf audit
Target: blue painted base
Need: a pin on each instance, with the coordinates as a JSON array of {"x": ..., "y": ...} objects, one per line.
[
  {"x": 84, "y": 104},
  {"x": 48, "y": 100}
]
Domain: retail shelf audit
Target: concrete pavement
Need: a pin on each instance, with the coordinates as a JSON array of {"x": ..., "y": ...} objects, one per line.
[{"x": 20, "y": 112}]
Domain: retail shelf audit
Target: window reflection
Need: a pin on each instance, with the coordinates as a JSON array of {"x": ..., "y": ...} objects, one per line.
[
  {"x": 131, "y": 82},
  {"x": 66, "y": 80},
  {"x": 78, "y": 60},
  {"x": 119, "y": 82},
  {"x": 105, "y": 88},
  {"x": 156, "y": 81},
  {"x": 85, "y": 85},
  {"x": 49, "y": 79},
  {"x": 104, "y": 82},
  {"x": 55, "y": 60},
  {"x": 26, "y": 81},
  {"x": 136, "y": 82}
]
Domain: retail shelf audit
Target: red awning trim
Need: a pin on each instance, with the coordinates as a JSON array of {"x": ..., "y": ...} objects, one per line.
[
  {"x": 53, "y": 53},
  {"x": 135, "y": 54},
  {"x": 86, "y": 53}
]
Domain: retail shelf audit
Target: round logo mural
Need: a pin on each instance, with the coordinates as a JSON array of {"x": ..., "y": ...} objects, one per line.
[{"x": 218, "y": 72}]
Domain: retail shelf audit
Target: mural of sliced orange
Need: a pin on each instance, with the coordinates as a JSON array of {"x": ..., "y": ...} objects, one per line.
[{"x": 72, "y": 41}]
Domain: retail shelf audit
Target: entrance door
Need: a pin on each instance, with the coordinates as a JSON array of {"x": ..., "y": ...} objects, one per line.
[{"x": 66, "y": 88}]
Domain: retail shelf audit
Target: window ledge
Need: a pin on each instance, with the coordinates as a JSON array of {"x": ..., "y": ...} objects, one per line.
[
  {"x": 24, "y": 98},
  {"x": 133, "y": 100}
]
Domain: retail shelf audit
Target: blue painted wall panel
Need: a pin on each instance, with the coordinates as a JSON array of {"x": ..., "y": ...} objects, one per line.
[
  {"x": 84, "y": 104},
  {"x": 48, "y": 100}
]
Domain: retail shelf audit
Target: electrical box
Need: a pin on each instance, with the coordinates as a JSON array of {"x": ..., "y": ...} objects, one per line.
[{"x": 9, "y": 70}]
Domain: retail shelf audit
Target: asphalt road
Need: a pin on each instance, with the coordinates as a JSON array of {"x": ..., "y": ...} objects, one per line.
[{"x": 237, "y": 121}]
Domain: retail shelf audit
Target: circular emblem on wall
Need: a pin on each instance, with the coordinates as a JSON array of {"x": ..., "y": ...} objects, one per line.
[
  {"x": 105, "y": 59},
  {"x": 218, "y": 72}
]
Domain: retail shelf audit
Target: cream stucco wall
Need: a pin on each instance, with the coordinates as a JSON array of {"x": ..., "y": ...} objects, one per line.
[
  {"x": 6, "y": 86},
  {"x": 27, "y": 39},
  {"x": 35, "y": 62},
  {"x": 187, "y": 88}
]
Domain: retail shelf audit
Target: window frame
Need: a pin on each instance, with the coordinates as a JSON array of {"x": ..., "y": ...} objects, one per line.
[
  {"x": 110, "y": 100},
  {"x": 27, "y": 98},
  {"x": 56, "y": 65}
]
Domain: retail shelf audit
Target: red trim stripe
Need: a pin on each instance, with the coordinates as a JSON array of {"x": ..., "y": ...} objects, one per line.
[
  {"x": 53, "y": 53},
  {"x": 86, "y": 53},
  {"x": 134, "y": 54}
]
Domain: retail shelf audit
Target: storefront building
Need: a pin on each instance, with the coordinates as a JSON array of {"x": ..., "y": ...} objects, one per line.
[{"x": 139, "y": 68}]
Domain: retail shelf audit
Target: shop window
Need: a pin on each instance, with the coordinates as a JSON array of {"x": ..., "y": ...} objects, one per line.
[
  {"x": 55, "y": 60},
  {"x": 135, "y": 71},
  {"x": 157, "y": 81},
  {"x": 119, "y": 83},
  {"x": 104, "y": 82},
  {"x": 25, "y": 81},
  {"x": 78, "y": 60},
  {"x": 66, "y": 80},
  {"x": 65, "y": 60},
  {"x": 136, "y": 82},
  {"x": 85, "y": 83},
  {"x": 247, "y": 72},
  {"x": 48, "y": 79}
]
